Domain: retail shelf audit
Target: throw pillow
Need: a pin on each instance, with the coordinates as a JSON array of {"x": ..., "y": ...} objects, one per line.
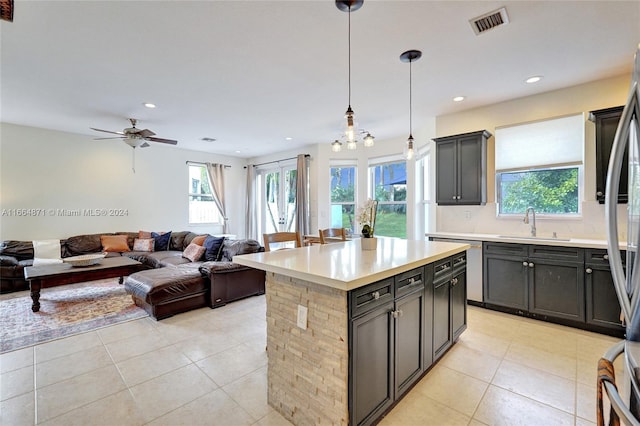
[
  {"x": 193, "y": 252},
  {"x": 114, "y": 243},
  {"x": 161, "y": 241},
  {"x": 199, "y": 240},
  {"x": 213, "y": 245},
  {"x": 144, "y": 234},
  {"x": 143, "y": 244}
]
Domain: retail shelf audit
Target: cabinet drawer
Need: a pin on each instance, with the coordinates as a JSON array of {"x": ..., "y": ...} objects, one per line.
[
  {"x": 573, "y": 254},
  {"x": 366, "y": 298},
  {"x": 409, "y": 281},
  {"x": 442, "y": 270},
  {"x": 505, "y": 248},
  {"x": 459, "y": 261},
  {"x": 601, "y": 256}
]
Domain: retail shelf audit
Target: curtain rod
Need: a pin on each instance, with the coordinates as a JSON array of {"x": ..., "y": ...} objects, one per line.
[
  {"x": 277, "y": 161},
  {"x": 202, "y": 164}
]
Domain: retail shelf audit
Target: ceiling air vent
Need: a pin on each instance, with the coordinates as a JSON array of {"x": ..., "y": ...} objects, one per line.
[{"x": 489, "y": 21}]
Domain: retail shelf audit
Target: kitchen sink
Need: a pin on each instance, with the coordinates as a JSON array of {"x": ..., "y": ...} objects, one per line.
[{"x": 518, "y": 237}]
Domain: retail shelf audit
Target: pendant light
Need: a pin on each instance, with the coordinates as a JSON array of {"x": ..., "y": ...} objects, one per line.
[
  {"x": 351, "y": 131},
  {"x": 410, "y": 56}
]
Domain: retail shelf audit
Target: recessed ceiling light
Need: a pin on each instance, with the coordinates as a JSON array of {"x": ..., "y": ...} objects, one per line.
[
  {"x": 458, "y": 99},
  {"x": 149, "y": 105},
  {"x": 208, "y": 139},
  {"x": 288, "y": 138},
  {"x": 237, "y": 152},
  {"x": 534, "y": 79}
]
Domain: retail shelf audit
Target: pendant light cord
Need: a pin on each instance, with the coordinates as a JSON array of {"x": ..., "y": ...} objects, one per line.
[
  {"x": 349, "y": 56},
  {"x": 410, "y": 102}
]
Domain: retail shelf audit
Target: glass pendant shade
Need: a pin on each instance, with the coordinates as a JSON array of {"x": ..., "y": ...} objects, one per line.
[
  {"x": 408, "y": 149},
  {"x": 336, "y": 146},
  {"x": 351, "y": 145},
  {"x": 368, "y": 140}
]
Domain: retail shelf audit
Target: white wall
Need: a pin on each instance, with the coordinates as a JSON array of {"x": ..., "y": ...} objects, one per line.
[
  {"x": 50, "y": 171},
  {"x": 582, "y": 98}
]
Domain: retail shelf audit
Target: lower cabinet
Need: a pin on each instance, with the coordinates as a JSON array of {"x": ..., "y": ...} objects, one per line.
[
  {"x": 449, "y": 302},
  {"x": 393, "y": 324},
  {"x": 551, "y": 282}
]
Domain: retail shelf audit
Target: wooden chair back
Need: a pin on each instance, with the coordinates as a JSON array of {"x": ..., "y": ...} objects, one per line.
[
  {"x": 336, "y": 234},
  {"x": 281, "y": 238}
]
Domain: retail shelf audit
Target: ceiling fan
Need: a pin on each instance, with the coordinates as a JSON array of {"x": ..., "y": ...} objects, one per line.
[{"x": 135, "y": 137}]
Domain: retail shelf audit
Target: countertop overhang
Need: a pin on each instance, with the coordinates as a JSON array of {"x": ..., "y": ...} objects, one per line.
[
  {"x": 543, "y": 240},
  {"x": 346, "y": 266}
]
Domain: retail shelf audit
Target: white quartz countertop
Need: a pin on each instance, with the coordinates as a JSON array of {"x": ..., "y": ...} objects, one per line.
[
  {"x": 346, "y": 266},
  {"x": 541, "y": 240}
]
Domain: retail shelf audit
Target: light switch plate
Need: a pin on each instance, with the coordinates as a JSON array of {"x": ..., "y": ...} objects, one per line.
[{"x": 302, "y": 317}]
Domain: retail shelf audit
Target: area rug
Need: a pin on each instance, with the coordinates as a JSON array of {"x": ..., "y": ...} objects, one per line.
[{"x": 64, "y": 311}]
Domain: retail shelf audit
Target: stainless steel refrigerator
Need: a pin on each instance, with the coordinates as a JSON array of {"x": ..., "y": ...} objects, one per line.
[{"x": 626, "y": 279}]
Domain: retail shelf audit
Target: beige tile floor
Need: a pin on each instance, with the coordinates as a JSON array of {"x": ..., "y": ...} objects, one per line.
[{"x": 208, "y": 367}]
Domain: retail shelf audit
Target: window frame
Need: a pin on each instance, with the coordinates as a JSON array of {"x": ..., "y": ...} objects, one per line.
[
  {"x": 371, "y": 190},
  {"x": 345, "y": 164},
  {"x": 217, "y": 216}
]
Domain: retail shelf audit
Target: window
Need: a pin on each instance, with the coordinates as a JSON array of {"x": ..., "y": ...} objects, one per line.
[
  {"x": 343, "y": 197},
  {"x": 539, "y": 165},
  {"x": 389, "y": 187},
  {"x": 202, "y": 208}
]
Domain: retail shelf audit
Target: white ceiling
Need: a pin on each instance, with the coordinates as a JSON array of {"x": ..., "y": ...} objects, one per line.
[{"x": 250, "y": 73}]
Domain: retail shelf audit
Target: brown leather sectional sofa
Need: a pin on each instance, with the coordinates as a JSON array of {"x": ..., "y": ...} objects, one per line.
[{"x": 171, "y": 284}]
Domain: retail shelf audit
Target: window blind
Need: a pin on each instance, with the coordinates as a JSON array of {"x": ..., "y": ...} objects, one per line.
[{"x": 539, "y": 144}]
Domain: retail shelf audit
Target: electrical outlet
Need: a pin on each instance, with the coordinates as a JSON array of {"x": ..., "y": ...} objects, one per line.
[{"x": 302, "y": 317}]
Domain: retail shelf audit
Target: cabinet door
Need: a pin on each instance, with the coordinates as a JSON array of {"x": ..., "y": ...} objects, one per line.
[
  {"x": 505, "y": 281},
  {"x": 603, "y": 308},
  {"x": 606, "y": 124},
  {"x": 470, "y": 171},
  {"x": 556, "y": 289},
  {"x": 428, "y": 317},
  {"x": 372, "y": 361},
  {"x": 441, "y": 318},
  {"x": 409, "y": 332},
  {"x": 446, "y": 172},
  {"x": 458, "y": 303}
]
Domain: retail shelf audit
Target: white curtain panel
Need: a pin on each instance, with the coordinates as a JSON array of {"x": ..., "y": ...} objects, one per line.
[
  {"x": 302, "y": 195},
  {"x": 216, "y": 178},
  {"x": 251, "y": 220}
]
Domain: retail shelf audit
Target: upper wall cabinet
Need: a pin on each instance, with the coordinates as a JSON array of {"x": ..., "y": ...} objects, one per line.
[
  {"x": 461, "y": 169},
  {"x": 606, "y": 121}
]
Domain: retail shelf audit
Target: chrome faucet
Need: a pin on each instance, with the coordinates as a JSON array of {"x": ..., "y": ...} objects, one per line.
[{"x": 526, "y": 220}]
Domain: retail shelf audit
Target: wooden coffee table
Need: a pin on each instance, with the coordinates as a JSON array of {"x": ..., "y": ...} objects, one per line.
[{"x": 44, "y": 276}]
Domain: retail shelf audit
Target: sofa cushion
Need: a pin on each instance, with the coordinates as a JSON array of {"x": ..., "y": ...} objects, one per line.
[
  {"x": 161, "y": 240},
  {"x": 114, "y": 243},
  {"x": 144, "y": 234},
  {"x": 199, "y": 240},
  {"x": 193, "y": 252},
  {"x": 21, "y": 250},
  {"x": 82, "y": 244},
  {"x": 143, "y": 244},
  {"x": 232, "y": 247},
  {"x": 178, "y": 240},
  {"x": 213, "y": 246},
  {"x": 159, "y": 285}
]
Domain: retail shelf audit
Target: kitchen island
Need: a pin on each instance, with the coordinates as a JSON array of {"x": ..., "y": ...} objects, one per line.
[{"x": 350, "y": 330}]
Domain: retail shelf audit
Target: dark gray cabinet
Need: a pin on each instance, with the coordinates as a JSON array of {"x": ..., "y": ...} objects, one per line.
[
  {"x": 393, "y": 324},
  {"x": 551, "y": 282},
  {"x": 449, "y": 302},
  {"x": 606, "y": 121},
  {"x": 603, "y": 308},
  {"x": 461, "y": 169},
  {"x": 505, "y": 273},
  {"x": 388, "y": 330}
]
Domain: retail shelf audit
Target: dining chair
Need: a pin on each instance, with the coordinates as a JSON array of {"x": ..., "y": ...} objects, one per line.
[
  {"x": 332, "y": 235},
  {"x": 281, "y": 238}
]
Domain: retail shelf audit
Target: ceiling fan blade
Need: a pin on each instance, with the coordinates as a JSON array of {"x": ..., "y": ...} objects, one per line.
[
  {"x": 101, "y": 139},
  {"x": 169, "y": 141},
  {"x": 144, "y": 145},
  {"x": 106, "y": 131},
  {"x": 146, "y": 133}
]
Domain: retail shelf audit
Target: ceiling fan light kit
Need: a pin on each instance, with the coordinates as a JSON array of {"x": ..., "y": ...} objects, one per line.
[{"x": 351, "y": 131}]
